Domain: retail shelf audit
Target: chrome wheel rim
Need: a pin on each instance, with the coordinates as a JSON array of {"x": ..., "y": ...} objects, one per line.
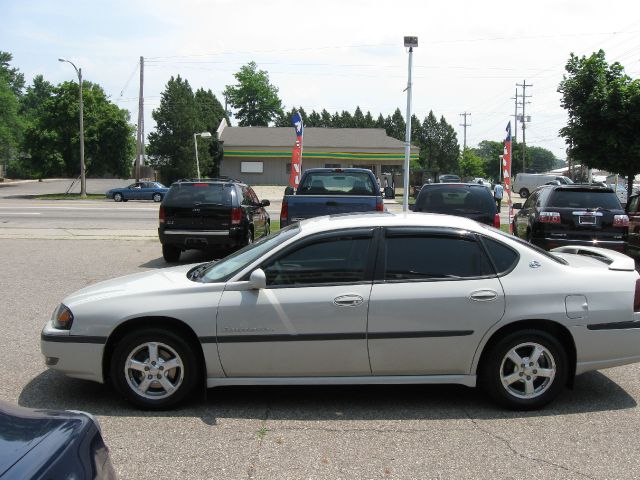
[
  {"x": 154, "y": 370},
  {"x": 527, "y": 370},
  {"x": 157, "y": 197}
]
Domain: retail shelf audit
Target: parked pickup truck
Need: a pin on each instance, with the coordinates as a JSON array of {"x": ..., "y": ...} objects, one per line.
[{"x": 327, "y": 191}]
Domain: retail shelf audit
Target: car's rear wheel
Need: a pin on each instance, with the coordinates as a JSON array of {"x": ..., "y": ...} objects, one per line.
[
  {"x": 117, "y": 197},
  {"x": 154, "y": 369},
  {"x": 157, "y": 197},
  {"x": 524, "y": 193},
  {"x": 171, "y": 253},
  {"x": 525, "y": 370}
]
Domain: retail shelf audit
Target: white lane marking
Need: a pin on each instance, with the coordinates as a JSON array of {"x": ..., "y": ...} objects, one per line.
[
  {"x": 20, "y": 213},
  {"x": 82, "y": 208}
]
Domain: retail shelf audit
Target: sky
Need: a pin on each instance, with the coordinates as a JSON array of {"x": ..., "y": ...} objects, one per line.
[{"x": 333, "y": 54}]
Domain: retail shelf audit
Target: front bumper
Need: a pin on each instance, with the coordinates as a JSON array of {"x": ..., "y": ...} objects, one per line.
[{"x": 75, "y": 356}]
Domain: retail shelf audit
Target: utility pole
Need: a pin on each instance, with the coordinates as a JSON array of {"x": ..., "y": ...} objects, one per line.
[
  {"x": 409, "y": 42},
  {"x": 140, "y": 136},
  {"x": 524, "y": 86},
  {"x": 465, "y": 125},
  {"x": 515, "y": 118}
]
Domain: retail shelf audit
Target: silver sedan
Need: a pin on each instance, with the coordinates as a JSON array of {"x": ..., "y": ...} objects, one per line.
[{"x": 358, "y": 299}]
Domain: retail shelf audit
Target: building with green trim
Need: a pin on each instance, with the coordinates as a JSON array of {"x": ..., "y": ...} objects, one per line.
[{"x": 262, "y": 155}]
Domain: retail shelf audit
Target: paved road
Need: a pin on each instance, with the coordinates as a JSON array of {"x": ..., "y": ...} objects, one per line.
[{"x": 408, "y": 432}]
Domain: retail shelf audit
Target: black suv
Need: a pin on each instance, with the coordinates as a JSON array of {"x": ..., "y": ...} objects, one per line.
[
  {"x": 205, "y": 213},
  {"x": 559, "y": 215},
  {"x": 469, "y": 200}
]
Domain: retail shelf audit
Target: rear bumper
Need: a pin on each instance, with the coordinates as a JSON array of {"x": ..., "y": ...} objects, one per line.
[
  {"x": 201, "y": 239},
  {"x": 549, "y": 243},
  {"x": 606, "y": 347}
]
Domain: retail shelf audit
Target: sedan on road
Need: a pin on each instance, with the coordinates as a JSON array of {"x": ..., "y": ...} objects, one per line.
[
  {"x": 358, "y": 299},
  {"x": 139, "y": 191}
]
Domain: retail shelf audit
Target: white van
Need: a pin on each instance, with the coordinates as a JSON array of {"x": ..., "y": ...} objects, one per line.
[{"x": 526, "y": 183}]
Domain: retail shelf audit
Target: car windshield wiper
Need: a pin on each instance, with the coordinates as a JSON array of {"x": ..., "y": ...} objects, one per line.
[{"x": 196, "y": 273}]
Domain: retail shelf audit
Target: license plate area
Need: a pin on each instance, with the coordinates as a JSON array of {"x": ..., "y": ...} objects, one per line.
[{"x": 587, "y": 220}]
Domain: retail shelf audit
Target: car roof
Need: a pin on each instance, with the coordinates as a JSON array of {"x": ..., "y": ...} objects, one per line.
[
  {"x": 452, "y": 184},
  {"x": 387, "y": 219},
  {"x": 347, "y": 170},
  {"x": 580, "y": 188},
  {"x": 224, "y": 180}
]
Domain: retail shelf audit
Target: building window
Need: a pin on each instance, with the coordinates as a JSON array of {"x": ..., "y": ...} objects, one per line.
[
  {"x": 251, "y": 167},
  {"x": 332, "y": 165}
]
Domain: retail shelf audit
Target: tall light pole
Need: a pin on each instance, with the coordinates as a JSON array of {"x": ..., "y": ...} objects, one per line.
[
  {"x": 408, "y": 42},
  {"x": 83, "y": 180},
  {"x": 195, "y": 143}
]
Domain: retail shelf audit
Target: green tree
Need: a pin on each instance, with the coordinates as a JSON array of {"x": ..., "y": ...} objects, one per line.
[
  {"x": 358, "y": 118},
  {"x": 12, "y": 76},
  {"x": 395, "y": 125},
  {"x": 209, "y": 114},
  {"x": 603, "y": 104},
  {"x": 449, "y": 148},
  {"x": 171, "y": 144},
  {"x": 10, "y": 127},
  {"x": 52, "y": 136},
  {"x": 325, "y": 119},
  {"x": 314, "y": 120},
  {"x": 254, "y": 97},
  {"x": 471, "y": 165}
]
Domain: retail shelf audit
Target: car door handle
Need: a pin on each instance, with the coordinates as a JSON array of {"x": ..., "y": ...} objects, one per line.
[
  {"x": 348, "y": 300},
  {"x": 483, "y": 295}
]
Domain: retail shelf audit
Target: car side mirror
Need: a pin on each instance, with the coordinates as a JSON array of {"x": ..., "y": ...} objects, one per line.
[
  {"x": 517, "y": 206},
  {"x": 265, "y": 203},
  {"x": 258, "y": 279},
  {"x": 288, "y": 191}
]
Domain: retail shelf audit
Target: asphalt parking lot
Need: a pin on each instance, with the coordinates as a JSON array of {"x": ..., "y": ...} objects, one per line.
[{"x": 411, "y": 432}]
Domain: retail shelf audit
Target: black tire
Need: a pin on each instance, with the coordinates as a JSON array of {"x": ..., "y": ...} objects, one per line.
[
  {"x": 157, "y": 197},
  {"x": 524, "y": 193},
  {"x": 171, "y": 253},
  {"x": 170, "y": 346},
  {"x": 117, "y": 197},
  {"x": 497, "y": 368}
]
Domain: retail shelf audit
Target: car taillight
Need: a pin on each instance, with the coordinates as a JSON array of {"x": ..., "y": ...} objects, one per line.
[
  {"x": 379, "y": 205},
  {"x": 549, "y": 217},
  {"x": 284, "y": 212},
  {"x": 496, "y": 220},
  {"x": 636, "y": 298},
  {"x": 620, "y": 221},
  {"x": 236, "y": 215},
  {"x": 161, "y": 214}
]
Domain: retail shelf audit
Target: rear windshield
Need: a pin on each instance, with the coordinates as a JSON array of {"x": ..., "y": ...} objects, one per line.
[
  {"x": 455, "y": 199},
  {"x": 187, "y": 194},
  {"x": 337, "y": 183},
  {"x": 584, "y": 199}
]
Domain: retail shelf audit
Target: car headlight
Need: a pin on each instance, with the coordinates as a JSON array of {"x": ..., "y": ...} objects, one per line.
[{"x": 62, "y": 318}]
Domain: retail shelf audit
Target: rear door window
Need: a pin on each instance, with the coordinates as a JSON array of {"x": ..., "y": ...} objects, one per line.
[
  {"x": 503, "y": 257},
  {"x": 433, "y": 257}
]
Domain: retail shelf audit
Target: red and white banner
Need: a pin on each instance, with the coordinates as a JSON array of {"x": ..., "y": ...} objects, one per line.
[
  {"x": 506, "y": 174},
  {"x": 296, "y": 156}
]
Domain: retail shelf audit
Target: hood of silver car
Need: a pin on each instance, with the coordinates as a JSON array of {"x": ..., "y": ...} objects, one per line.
[{"x": 152, "y": 281}]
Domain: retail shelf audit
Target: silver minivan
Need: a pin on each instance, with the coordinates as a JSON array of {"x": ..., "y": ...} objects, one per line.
[{"x": 526, "y": 183}]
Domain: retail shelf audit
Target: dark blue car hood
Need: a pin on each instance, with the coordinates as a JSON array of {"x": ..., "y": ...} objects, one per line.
[{"x": 23, "y": 430}]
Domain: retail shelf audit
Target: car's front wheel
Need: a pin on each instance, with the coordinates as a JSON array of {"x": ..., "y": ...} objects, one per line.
[
  {"x": 525, "y": 370},
  {"x": 157, "y": 197},
  {"x": 524, "y": 193},
  {"x": 154, "y": 369},
  {"x": 170, "y": 253},
  {"x": 118, "y": 197}
]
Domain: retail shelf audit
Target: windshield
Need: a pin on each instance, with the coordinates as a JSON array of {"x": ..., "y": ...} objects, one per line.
[
  {"x": 227, "y": 267},
  {"x": 584, "y": 199},
  {"x": 455, "y": 199},
  {"x": 337, "y": 183}
]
